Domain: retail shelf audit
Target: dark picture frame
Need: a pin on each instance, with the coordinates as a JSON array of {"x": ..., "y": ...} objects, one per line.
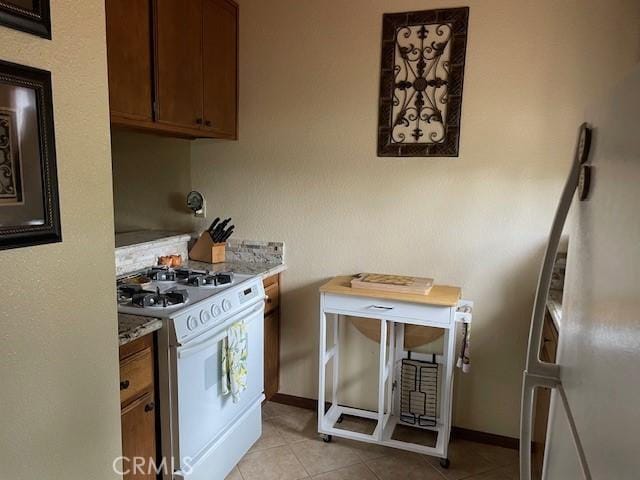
[
  {"x": 421, "y": 79},
  {"x": 29, "y": 203},
  {"x": 19, "y": 16}
]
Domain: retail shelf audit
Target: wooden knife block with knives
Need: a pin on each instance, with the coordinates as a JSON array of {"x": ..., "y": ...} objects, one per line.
[
  {"x": 210, "y": 247},
  {"x": 206, "y": 250}
]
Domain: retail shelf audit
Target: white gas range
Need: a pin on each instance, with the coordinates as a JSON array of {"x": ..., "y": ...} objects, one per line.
[{"x": 198, "y": 307}]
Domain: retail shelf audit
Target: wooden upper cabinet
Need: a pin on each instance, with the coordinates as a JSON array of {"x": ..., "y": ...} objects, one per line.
[
  {"x": 173, "y": 66},
  {"x": 129, "y": 58},
  {"x": 179, "y": 80},
  {"x": 220, "y": 67}
]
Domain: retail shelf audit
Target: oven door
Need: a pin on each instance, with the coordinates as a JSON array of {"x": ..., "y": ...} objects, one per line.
[{"x": 204, "y": 413}]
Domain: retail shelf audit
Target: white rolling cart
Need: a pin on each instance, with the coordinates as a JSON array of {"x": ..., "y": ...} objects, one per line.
[{"x": 442, "y": 308}]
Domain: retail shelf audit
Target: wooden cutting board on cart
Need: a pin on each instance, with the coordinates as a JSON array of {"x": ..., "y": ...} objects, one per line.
[{"x": 393, "y": 283}]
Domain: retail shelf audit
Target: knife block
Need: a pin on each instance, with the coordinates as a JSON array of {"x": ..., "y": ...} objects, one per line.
[{"x": 205, "y": 250}]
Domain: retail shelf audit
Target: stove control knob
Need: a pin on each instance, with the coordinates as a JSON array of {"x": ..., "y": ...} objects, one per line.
[
  {"x": 226, "y": 305},
  {"x": 204, "y": 317},
  {"x": 192, "y": 322},
  {"x": 215, "y": 310}
]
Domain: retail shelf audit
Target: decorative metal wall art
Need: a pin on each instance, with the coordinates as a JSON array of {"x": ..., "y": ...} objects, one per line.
[
  {"x": 31, "y": 16},
  {"x": 422, "y": 72},
  {"x": 29, "y": 211},
  {"x": 10, "y": 175}
]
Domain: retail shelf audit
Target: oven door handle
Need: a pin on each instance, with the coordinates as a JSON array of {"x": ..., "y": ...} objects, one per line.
[{"x": 209, "y": 340}]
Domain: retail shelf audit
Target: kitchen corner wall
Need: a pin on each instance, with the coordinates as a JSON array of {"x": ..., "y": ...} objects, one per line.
[
  {"x": 59, "y": 401},
  {"x": 305, "y": 169},
  {"x": 151, "y": 179}
]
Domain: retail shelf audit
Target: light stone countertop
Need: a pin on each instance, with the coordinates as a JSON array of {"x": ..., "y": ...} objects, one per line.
[
  {"x": 131, "y": 327},
  {"x": 264, "y": 270}
]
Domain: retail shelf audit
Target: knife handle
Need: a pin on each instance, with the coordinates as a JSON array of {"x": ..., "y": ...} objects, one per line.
[
  {"x": 213, "y": 224},
  {"x": 228, "y": 233}
]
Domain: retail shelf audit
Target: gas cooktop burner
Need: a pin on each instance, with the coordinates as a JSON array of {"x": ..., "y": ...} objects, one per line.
[
  {"x": 209, "y": 280},
  {"x": 147, "y": 298},
  {"x": 193, "y": 278},
  {"x": 162, "y": 274}
]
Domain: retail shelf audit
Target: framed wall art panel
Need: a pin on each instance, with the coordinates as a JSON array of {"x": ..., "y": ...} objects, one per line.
[
  {"x": 421, "y": 78},
  {"x": 29, "y": 208},
  {"x": 31, "y": 16}
]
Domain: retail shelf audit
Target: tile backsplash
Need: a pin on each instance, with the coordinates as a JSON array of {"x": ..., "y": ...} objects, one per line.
[
  {"x": 140, "y": 250},
  {"x": 145, "y": 254},
  {"x": 252, "y": 251}
]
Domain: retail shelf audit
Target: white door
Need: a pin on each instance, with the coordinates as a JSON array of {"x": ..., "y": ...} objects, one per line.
[{"x": 204, "y": 413}]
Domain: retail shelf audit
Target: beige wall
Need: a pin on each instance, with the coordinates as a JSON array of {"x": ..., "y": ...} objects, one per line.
[
  {"x": 151, "y": 179},
  {"x": 59, "y": 401},
  {"x": 305, "y": 168}
]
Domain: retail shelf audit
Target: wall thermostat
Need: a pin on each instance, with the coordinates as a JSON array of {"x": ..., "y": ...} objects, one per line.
[{"x": 197, "y": 204}]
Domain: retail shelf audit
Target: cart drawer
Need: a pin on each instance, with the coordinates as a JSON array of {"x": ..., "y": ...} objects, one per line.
[{"x": 387, "y": 309}]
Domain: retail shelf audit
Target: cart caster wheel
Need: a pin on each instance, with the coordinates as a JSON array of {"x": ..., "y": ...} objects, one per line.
[
  {"x": 444, "y": 462},
  {"x": 340, "y": 418},
  {"x": 326, "y": 438}
]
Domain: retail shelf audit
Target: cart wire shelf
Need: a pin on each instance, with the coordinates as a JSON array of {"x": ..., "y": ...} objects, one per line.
[{"x": 419, "y": 392}]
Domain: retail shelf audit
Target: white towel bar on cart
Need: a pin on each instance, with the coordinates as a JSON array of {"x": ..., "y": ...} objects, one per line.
[{"x": 442, "y": 308}]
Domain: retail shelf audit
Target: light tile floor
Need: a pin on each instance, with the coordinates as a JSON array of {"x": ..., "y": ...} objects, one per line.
[{"x": 290, "y": 449}]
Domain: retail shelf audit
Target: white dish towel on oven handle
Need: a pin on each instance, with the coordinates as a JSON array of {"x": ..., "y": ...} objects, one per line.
[{"x": 234, "y": 360}]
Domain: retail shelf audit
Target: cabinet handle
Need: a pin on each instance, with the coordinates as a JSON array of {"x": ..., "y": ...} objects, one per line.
[
  {"x": 267, "y": 298},
  {"x": 199, "y": 121},
  {"x": 124, "y": 385},
  {"x": 207, "y": 123},
  {"x": 149, "y": 406}
]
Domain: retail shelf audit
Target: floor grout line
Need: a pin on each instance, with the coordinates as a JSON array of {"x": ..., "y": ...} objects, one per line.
[
  {"x": 371, "y": 470},
  {"x": 299, "y": 461},
  {"x": 425, "y": 459},
  {"x": 343, "y": 467}
]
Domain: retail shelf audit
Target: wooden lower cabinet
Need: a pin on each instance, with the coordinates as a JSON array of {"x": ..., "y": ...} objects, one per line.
[
  {"x": 139, "y": 438},
  {"x": 272, "y": 336},
  {"x": 138, "y": 409},
  {"x": 271, "y": 354},
  {"x": 542, "y": 399}
]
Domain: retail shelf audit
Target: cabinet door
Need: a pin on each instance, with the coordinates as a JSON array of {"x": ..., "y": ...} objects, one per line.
[
  {"x": 271, "y": 354},
  {"x": 179, "y": 62},
  {"x": 129, "y": 58},
  {"x": 139, "y": 439},
  {"x": 220, "y": 67}
]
